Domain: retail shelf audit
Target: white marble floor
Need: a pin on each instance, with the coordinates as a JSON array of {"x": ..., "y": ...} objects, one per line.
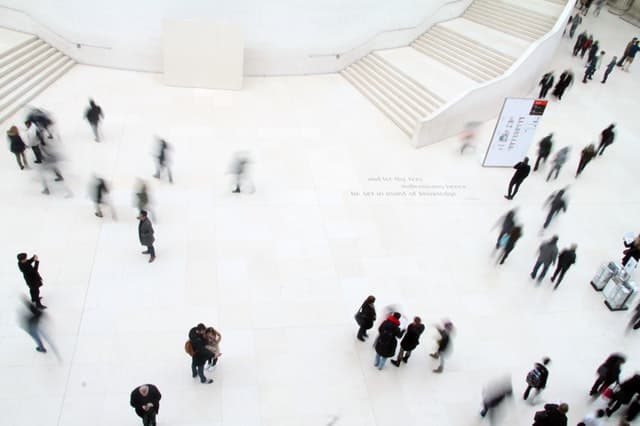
[{"x": 281, "y": 272}]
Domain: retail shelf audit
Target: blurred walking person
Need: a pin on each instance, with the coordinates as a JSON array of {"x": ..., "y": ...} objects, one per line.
[
  {"x": 587, "y": 154},
  {"x": 43, "y": 121},
  {"x": 610, "y": 66},
  {"x": 514, "y": 236},
  {"x": 608, "y": 373},
  {"x": 31, "y": 322},
  {"x": 145, "y": 234},
  {"x": 558, "y": 161},
  {"x": 99, "y": 193},
  {"x": 145, "y": 399},
  {"x": 508, "y": 221},
  {"x": 51, "y": 158},
  {"x": 623, "y": 395},
  {"x": 575, "y": 21},
  {"x": 544, "y": 149},
  {"x": 556, "y": 202},
  {"x": 17, "y": 147},
  {"x": 142, "y": 199},
  {"x": 163, "y": 160},
  {"x": 566, "y": 258},
  {"x": 387, "y": 340},
  {"x": 468, "y": 136},
  {"x": 565, "y": 80},
  {"x": 522, "y": 171},
  {"x": 409, "y": 342},
  {"x": 630, "y": 55},
  {"x": 606, "y": 138},
  {"x": 33, "y": 139},
  {"x": 493, "y": 395},
  {"x": 537, "y": 378},
  {"x": 552, "y": 415},
  {"x": 94, "y": 115},
  {"x": 634, "y": 322},
  {"x": 444, "y": 344},
  {"x": 547, "y": 254},
  {"x": 239, "y": 171},
  {"x": 545, "y": 84},
  {"x": 365, "y": 317},
  {"x": 29, "y": 268}
]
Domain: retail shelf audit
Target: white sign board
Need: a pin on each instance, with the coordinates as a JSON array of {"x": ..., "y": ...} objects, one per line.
[{"x": 514, "y": 131}]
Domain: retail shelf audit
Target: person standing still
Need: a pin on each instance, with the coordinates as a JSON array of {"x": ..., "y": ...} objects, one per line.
[
  {"x": 29, "y": 268},
  {"x": 409, "y": 342},
  {"x": 544, "y": 149},
  {"x": 387, "y": 341},
  {"x": 94, "y": 115},
  {"x": 145, "y": 233},
  {"x": 566, "y": 258},
  {"x": 365, "y": 317},
  {"x": 626, "y": 51},
  {"x": 17, "y": 147},
  {"x": 587, "y": 154},
  {"x": 145, "y": 399},
  {"x": 537, "y": 378},
  {"x": 606, "y": 138},
  {"x": 522, "y": 171},
  {"x": 547, "y": 254}
]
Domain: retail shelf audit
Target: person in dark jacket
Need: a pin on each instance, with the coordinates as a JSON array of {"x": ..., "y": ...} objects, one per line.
[
  {"x": 608, "y": 372},
  {"x": 200, "y": 353},
  {"x": 556, "y": 201},
  {"x": 609, "y": 69},
  {"x": 565, "y": 80},
  {"x": 632, "y": 250},
  {"x": 630, "y": 55},
  {"x": 547, "y": 254},
  {"x": 162, "y": 160},
  {"x": 628, "y": 389},
  {"x": 544, "y": 149},
  {"x": 93, "y": 116},
  {"x": 566, "y": 258},
  {"x": 593, "y": 51},
  {"x": 17, "y": 146},
  {"x": 365, "y": 317},
  {"x": 514, "y": 236},
  {"x": 444, "y": 345},
  {"x": 579, "y": 40},
  {"x": 586, "y": 45},
  {"x": 552, "y": 415},
  {"x": 606, "y": 138},
  {"x": 626, "y": 51},
  {"x": 522, "y": 171},
  {"x": 387, "y": 341},
  {"x": 145, "y": 233},
  {"x": 409, "y": 342},
  {"x": 508, "y": 222},
  {"x": 587, "y": 154},
  {"x": 545, "y": 84},
  {"x": 145, "y": 399},
  {"x": 29, "y": 268},
  {"x": 537, "y": 378}
]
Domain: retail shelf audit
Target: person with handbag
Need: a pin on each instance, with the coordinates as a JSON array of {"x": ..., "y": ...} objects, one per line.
[
  {"x": 365, "y": 317},
  {"x": 608, "y": 373}
]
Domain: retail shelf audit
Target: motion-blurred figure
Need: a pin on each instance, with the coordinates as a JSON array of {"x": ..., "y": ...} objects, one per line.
[
  {"x": 537, "y": 378},
  {"x": 468, "y": 136},
  {"x": 545, "y": 84},
  {"x": 606, "y": 138},
  {"x": 587, "y": 154},
  {"x": 93, "y": 116},
  {"x": 608, "y": 373},
  {"x": 145, "y": 399},
  {"x": 547, "y": 254},
  {"x": 634, "y": 322},
  {"x": 565, "y": 80},
  {"x": 558, "y": 161},
  {"x": 593, "y": 419},
  {"x": 142, "y": 199},
  {"x": 514, "y": 236},
  {"x": 163, "y": 160},
  {"x": 544, "y": 149},
  {"x": 51, "y": 158},
  {"x": 609, "y": 69},
  {"x": 145, "y": 234},
  {"x": 493, "y": 395},
  {"x": 239, "y": 171},
  {"x": 566, "y": 258},
  {"x": 444, "y": 344},
  {"x": 557, "y": 201},
  {"x": 30, "y": 322},
  {"x": 99, "y": 191},
  {"x": 508, "y": 222},
  {"x": 33, "y": 140},
  {"x": 365, "y": 317},
  {"x": 17, "y": 147},
  {"x": 42, "y": 120},
  {"x": 626, "y": 391},
  {"x": 29, "y": 268},
  {"x": 631, "y": 251}
]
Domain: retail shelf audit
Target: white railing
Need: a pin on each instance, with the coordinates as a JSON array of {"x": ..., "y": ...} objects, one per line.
[{"x": 483, "y": 103}]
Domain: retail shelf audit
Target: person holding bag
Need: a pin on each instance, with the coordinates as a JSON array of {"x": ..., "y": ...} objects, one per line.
[{"x": 365, "y": 317}]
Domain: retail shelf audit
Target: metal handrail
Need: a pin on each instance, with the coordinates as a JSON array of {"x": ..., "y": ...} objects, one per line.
[{"x": 78, "y": 45}]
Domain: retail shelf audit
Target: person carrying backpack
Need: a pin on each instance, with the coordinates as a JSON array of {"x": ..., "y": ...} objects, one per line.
[{"x": 537, "y": 378}]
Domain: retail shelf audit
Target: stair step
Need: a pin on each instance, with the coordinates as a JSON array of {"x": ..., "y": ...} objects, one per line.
[
  {"x": 428, "y": 50},
  {"x": 18, "y": 46},
  {"x": 492, "y": 23},
  {"x": 483, "y": 50},
  {"x": 21, "y": 68},
  {"x": 520, "y": 12},
  {"x": 509, "y": 18},
  {"x": 22, "y": 49},
  {"x": 56, "y": 59},
  {"x": 32, "y": 89},
  {"x": 25, "y": 59}
]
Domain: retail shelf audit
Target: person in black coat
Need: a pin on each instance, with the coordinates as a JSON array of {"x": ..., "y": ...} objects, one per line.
[
  {"x": 493, "y": 395},
  {"x": 145, "y": 233},
  {"x": 628, "y": 389},
  {"x": 365, "y": 317},
  {"x": 145, "y": 399},
  {"x": 387, "y": 341},
  {"x": 29, "y": 268},
  {"x": 606, "y": 138},
  {"x": 537, "y": 378},
  {"x": 514, "y": 236},
  {"x": 587, "y": 154},
  {"x": 508, "y": 222},
  {"x": 93, "y": 116},
  {"x": 545, "y": 84},
  {"x": 556, "y": 202},
  {"x": 608, "y": 373},
  {"x": 544, "y": 149},
  {"x": 17, "y": 147},
  {"x": 566, "y": 78},
  {"x": 200, "y": 353},
  {"x": 522, "y": 171},
  {"x": 552, "y": 415},
  {"x": 410, "y": 341},
  {"x": 566, "y": 258}
]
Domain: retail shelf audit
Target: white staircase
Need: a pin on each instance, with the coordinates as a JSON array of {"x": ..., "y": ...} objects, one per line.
[
  {"x": 397, "y": 95},
  {"x": 509, "y": 18},
  {"x": 465, "y": 55},
  {"x": 27, "y": 69}
]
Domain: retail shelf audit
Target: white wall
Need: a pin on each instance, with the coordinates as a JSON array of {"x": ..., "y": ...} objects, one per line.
[
  {"x": 483, "y": 102},
  {"x": 281, "y": 36}
]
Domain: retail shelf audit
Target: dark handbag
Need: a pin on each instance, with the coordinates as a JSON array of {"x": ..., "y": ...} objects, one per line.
[{"x": 359, "y": 317}]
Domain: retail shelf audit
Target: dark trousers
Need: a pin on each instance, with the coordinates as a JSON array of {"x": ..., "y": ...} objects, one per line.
[
  {"x": 601, "y": 148},
  {"x": 544, "y": 90},
  {"x": 600, "y": 384},
  {"x": 21, "y": 159},
  {"x": 403, "y": 355},
  {"x": 545, "y": 268},
  {"x": 507, "y": 249},
  {"x": 555, "y": 169},
  {"x": 528, "y": 390},
  {"x": 621, "y": 61},
  {"x": 583, "y": 163},
  {"x": 37, "y": 153},
  {"x": 197, "y": 370},
  {"x": 34, "y": 291},
  {"x": 148, "y": 417},
  {"x": 552, "y": 213},
  {"x": 160, "y": 167},
  {"x": 559, "y": 272},
  {"x": 362, "y": 332},
  {"x": 514, "y": 185},
  {"x": 96, "y": 132},
  {"x": 606, "y": 75},
  {"x": 541, "y": 158},
  {"x": 151, "y": 250}
]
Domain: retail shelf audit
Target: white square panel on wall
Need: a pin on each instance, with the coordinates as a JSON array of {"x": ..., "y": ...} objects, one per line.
[{"x": 203, "y": 54}]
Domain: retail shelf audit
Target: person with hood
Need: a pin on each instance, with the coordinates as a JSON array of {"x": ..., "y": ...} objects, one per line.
[
  {"x": 94, "y": 115},
  {"x": 558, "y": 161},
  {"x": 537, "y": 378},
  {"x": 17, "y": 147},
  {"x": 545, "y": 84},
  {"x": 565, "y": 80},
  {"x": 556, "y": 201},
  {"x": 387, "y": 341},
  {"x": 365, "y": 317},
  {"x": 444, "y": 344},
  {"x": 508, "y": 222},
  {"x": 625, "y": 393},
  {"x": 145, "y": 399},
  {"x": 566, "y": 258},
  {"x": 544, "y": 149},
  {"x": 409, "y": 342},
  {"x": 547, "y": 254},
  {"x": 606, "y": 138},
  {"x": 608, "y": 373},
  {"x": 522, "y": 171},
  {"x": 514, "y": 236},
  {"x": 587, "y": 154}
]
